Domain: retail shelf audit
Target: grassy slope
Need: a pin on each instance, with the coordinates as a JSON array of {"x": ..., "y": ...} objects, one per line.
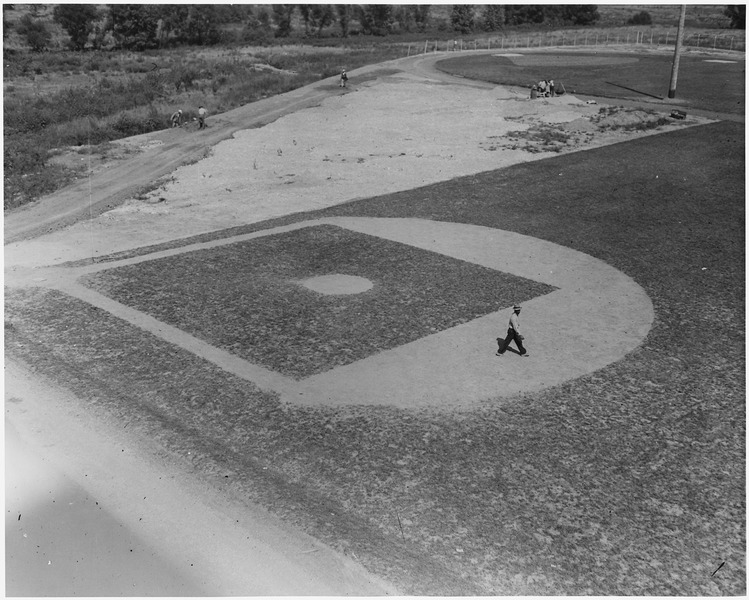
[{"x": 627, "y": 481}]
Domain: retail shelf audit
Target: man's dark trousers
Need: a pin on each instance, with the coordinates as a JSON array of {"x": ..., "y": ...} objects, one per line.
[{"x": 512, "y": 335}]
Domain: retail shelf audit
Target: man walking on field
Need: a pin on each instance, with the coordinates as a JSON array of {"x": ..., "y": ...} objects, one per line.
[{"x": 513, "y": 334}]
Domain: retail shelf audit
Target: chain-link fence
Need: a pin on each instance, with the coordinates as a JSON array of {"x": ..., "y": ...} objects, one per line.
[{"x": 652, "y": 37}]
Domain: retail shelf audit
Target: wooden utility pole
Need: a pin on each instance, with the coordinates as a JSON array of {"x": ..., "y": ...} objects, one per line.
[{"x": 677, "y": 52}]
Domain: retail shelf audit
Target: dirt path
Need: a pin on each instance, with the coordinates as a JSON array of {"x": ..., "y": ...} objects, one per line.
[{"x": 108, "y": 188}]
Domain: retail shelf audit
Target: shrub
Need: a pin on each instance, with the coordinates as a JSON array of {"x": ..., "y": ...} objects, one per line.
[
  {"x": 20, "y": 189},
  {"x": 77, "y": 20},
  {"x": 256, "y": 34},
  {"x": 24, "y": 154},
  {"x": 35, "y": 31},
  {"x": 26, "y": 173},
  {"x": 641, "y": 18},
  {"x": 184, "y": 76},
  {"x": 737, "y": 16}
]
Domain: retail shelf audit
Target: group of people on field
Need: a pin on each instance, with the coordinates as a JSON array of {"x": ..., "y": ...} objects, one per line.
[
  {"x": 544, "y": 89},
  {"x": 176, "y": 118}
]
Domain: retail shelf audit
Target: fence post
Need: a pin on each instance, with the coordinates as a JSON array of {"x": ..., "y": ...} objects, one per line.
[
  {"x": 731, "y": 48},
  {"x": 409, "y": 50},
  {"x": 698, "y": 39},
  {"x": 715, "y": 41},
  {"x": 667, "y": 37},
  {"x": 651, "y": 37}
]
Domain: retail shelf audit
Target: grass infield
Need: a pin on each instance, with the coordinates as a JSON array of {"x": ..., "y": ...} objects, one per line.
[
  {"x": 248, "y": 298},
  {"x": 627, "y": 481}
]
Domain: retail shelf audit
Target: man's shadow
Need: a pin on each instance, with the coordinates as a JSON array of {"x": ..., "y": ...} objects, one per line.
[{"x": 510, "y": 349}]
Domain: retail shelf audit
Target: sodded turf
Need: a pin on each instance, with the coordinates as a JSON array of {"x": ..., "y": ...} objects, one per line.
[
  {"x": 628, "y": 481},
  {"x": 716, "y": 86},
  {"x": 248, "y": 297}
]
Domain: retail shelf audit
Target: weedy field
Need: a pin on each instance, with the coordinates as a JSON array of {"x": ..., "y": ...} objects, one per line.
[
  {"x": 53, "y": 102},
  {"x": 628, "y": 481}
]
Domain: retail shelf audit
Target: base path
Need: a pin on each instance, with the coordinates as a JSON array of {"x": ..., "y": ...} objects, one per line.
[{"x": 595, "y": 317}]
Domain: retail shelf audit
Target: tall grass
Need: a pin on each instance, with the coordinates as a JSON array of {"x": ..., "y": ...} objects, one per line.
[{"x": 128, "y": 94}]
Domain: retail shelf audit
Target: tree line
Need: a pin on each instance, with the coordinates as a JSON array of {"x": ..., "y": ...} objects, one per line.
[{"x": 144, "y": 26}]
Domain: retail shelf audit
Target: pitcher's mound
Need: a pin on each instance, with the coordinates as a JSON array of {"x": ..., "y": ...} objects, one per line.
[{"x": 338, "y": 284}]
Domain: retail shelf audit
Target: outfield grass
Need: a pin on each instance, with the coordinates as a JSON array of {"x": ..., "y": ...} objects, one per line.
[
  {"x": 715, "y": 86},
  {"x": 627, "y": 481}
]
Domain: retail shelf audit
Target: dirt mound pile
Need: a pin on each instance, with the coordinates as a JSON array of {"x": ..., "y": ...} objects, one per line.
[{"x": 619, "y": 118}]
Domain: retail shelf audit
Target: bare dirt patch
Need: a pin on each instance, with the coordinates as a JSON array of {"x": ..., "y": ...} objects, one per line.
[{"x": 381, "y": 136}]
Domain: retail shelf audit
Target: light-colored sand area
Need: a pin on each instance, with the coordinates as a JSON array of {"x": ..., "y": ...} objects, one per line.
[{"x": 384, "y": 136}]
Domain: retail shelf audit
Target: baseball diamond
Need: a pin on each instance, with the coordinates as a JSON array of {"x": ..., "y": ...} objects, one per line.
[{"x": 564, "y": 291}]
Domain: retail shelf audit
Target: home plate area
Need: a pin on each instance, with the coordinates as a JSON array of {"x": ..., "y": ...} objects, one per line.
[{"x": 400, "y": 312}]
